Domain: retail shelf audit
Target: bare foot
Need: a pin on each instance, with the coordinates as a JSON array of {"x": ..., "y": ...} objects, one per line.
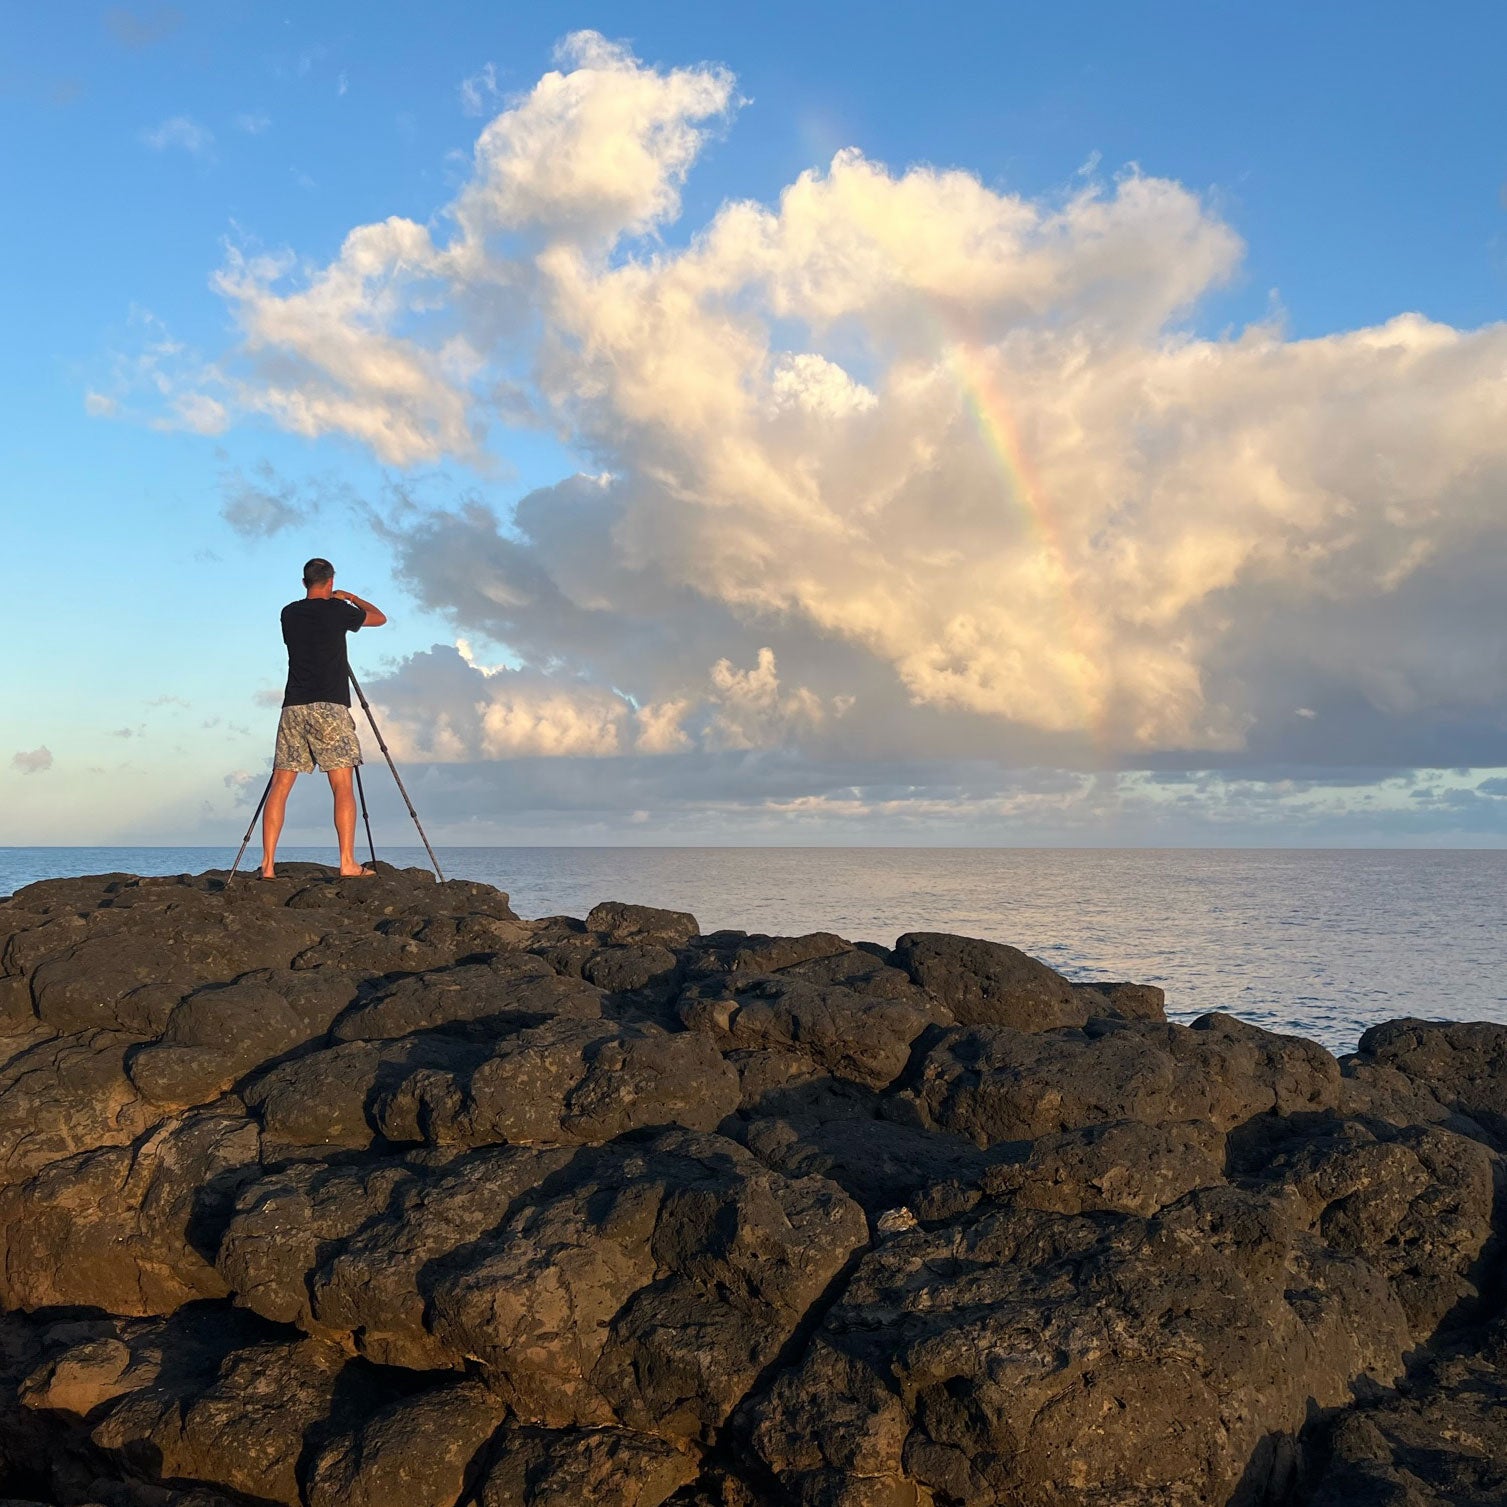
[
  {"x": 360, "y": 873},
  {"x": 267, "y": 874}
]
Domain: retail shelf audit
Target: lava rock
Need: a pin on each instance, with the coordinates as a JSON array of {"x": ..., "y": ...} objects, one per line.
[{"x": 327, "y": 1191}]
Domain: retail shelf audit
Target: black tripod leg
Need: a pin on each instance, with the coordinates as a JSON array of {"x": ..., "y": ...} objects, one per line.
[
  {"x": 361, "y": 791},
  {"x": 267, "y": 790},
  {"x": 402, "y": 790}
]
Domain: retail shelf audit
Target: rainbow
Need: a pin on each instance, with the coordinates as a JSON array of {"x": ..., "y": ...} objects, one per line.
[{"x": 996, "y": 426}]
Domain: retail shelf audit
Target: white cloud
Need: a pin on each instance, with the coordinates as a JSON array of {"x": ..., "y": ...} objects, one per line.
[
  {"x": 553, "y": 722},
  {"x": 198, "y": 413},
  {"x": 32, "y": 761},
  {"x": 253, "y": 122},
  {"x": 161, "y": 382},
  {"x": 329, "y": 362},
  {"x": 945, "y": 449},
  {"x": 446, "y": 707},
  {"x": 659, "y": 728},
  {"x": 818, "y": 386},
  {"x": 586, "y": 157},
  {"x": 184, "y": 133},
  {"x": 479, "y": 92},
  {"x": 594, "y": 152},
  {"x": 752, "y": 709}
]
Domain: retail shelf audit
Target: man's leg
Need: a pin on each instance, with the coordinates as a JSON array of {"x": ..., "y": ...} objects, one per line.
[
  {"x": 272, "y": 816},
  {"x": 345, "y": 821}
]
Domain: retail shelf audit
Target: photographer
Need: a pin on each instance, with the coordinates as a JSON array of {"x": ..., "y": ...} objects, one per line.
[{"x": 315, "y": 728}]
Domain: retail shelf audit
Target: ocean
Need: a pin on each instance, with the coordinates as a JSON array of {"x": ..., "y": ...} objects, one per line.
[{"x": 1318, "y": 943}]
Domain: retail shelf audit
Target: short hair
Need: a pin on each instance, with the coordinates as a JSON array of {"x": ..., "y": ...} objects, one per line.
[{"x": 316, "y": 572}]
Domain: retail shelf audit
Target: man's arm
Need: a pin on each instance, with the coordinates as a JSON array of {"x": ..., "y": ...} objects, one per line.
[{"x": 375, "y": 617}]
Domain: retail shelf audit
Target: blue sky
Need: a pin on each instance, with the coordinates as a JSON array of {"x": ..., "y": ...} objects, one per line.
[{"x": 1335, "y": 167}]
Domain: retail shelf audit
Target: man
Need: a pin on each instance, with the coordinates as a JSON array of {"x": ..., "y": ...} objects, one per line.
[{"x": 316, "y": 726}]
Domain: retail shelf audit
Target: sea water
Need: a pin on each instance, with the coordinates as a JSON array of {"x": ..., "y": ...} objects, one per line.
[{"x": 1323, "y": 944}]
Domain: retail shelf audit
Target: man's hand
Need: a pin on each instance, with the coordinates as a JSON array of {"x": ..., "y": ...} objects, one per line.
[{"x": 375, "y": 617}]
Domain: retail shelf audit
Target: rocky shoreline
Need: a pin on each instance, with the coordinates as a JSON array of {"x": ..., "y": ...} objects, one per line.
[{"x": 369, "y": 1192}]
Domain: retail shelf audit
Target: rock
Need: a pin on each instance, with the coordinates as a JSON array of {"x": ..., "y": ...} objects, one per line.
[
  {"x": 879, "y": 1164},
  {"x": 1415, "y": 1204},
  {"x": 651, "y": 1290},
  {"x": 119, "y": 979},
  {"x": 511, "y": 991},
  {"x": 624, "y": 970},
  {"x": 990, "y": 984},
  {"x": 245, "y": 1432},
  {"x": 415, "y": 1452},
  {"x": 564, "y": 1081},
  {"x": 1123, "y": 1001},
  {"x": 607, "y": 1467},
  {"x": 321, "y": 1099},
  {"x": 369, "y": 1192},
  {"x": 1460, "y": 1064},
  {"x": 80, "y": 1379},
  {"x": 996, "y": 1084},
  {"x": 735, "y": 952},
  {"x": 622, "y": 949},
  {"x": 65, "y": 1095},
  {"x": 595, "y": 1300},
  {"x": 864, "y": 1039},
  {"x": 352, "y": 1253},
  {"x": 211, "y": 1040},
  {"x": 1122, "y": 1166},
  {"x": 1039, "y": 1359},
  {"x": 865, "y": 970},
  {"x": 122, "y": 1228},
  {"x": 16, "y": 1012},
  {"x": 633, "y": 925},
  {"x": 1440, "y": 1441}
]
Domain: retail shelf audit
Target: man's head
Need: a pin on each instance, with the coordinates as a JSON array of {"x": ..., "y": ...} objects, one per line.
[{"x": 318, "y": 576}]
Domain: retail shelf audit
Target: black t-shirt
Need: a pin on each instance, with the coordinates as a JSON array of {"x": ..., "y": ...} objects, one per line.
[{"x": 314, "y": 630}]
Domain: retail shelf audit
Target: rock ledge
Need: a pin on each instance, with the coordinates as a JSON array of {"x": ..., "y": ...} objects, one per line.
[{"x": 319, "y": 1192}]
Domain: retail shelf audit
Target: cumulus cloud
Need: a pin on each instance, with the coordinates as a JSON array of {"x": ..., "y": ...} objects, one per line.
[
  {"x": 388, "y": 343},
  {"x": 443, "y": 706},
  {"x": 184, "y": 133},
  {"x": 953, "y": 457},
  {"x": 32, "y": 761},
  {"x": 754, "y": 711}
]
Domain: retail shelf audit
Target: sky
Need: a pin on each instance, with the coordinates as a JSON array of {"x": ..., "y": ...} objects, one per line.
[{"x": 936, "y": 424}]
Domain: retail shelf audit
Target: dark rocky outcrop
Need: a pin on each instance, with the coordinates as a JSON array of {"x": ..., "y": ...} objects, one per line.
[{"x": 321, "y": 1192}]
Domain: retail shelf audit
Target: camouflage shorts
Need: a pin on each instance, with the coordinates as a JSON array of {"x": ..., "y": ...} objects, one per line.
[{"x": 321, "y": 733}]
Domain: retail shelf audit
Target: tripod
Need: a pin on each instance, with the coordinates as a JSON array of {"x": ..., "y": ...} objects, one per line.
[{"x": 402, "y": 790}]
